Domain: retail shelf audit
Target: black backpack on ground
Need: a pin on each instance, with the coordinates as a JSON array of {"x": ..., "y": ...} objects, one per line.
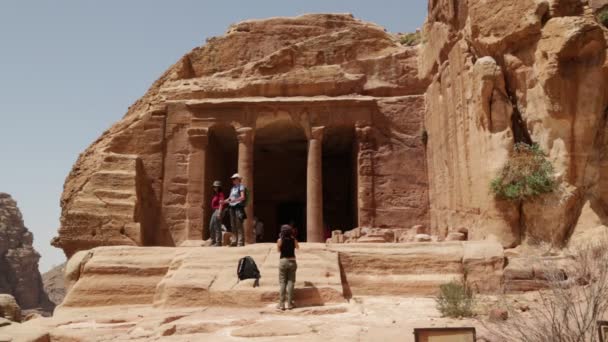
[{"x": 247, "y": 269}]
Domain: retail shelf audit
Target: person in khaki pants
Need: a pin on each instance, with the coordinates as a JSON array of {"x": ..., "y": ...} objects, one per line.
[
  {"x": 236, "y": 209},
  {"x": 286, "y": 245}
]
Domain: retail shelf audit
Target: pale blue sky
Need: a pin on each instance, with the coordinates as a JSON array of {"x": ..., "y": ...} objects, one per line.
[{"x": 69, "y": 69}]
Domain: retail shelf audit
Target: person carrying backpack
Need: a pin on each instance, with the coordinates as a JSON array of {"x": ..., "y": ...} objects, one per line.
[
  {"x": 236, "y": 208},
  {"x": 286, "y": 245}
]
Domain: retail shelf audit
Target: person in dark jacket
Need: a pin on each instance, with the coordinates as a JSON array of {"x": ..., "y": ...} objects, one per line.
[{"x": 286, "y": 245}]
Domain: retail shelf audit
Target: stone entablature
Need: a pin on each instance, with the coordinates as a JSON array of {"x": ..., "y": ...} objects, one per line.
[{"x": 245, "y": 116}]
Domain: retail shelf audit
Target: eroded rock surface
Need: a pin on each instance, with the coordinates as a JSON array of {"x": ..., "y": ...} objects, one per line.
[
  {"x": 166, "y": 277},
  {"x": 366, "y": 319},
  {"x": 194, "y": 277},
  {"x": 9, "y": 309},
  {"x": 19, "y": 275},
  {"x": 54, "y": 285},
  {"x": 506, "y": 72},
  {"x": 252, "y": 100},
  {"x": 428, "y": 127}
]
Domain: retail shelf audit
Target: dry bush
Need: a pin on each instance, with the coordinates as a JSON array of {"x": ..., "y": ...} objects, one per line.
[
  {"x": 455, "y": 299},
  {"x": 569, "y": 309},
  {"x": 411, "y": 39}
]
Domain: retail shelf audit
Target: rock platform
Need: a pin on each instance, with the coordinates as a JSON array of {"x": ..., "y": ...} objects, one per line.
[
  {"x": 344, "y": 292},
  {"x": 206, "y": 276}
]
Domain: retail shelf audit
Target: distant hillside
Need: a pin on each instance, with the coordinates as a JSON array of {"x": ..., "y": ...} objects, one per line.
[
  {"x": 53, "y": 284},
  {"x": 19, "y": 275}
]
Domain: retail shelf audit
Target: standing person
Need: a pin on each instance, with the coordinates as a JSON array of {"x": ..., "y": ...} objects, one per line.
[
  {"x": 286, "y": 245},
  {"x": 236, "y": 208},
  {"x": 217, "y": 205},
  {"x": 258, "y": 227}
]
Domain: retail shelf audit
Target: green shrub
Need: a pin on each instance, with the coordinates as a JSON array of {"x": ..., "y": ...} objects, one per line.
[
  {"x": 526, "y": 174},
  {"x": 455, "y": 299},
  {"x": 410, "y": 39},
  {"x": 602, "y": 17}
]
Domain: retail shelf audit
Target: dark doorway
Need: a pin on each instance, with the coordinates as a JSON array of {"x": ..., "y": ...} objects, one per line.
[
  {"x": 293, "y": 213},
  {"x": 279, "y": 175},
  {"x": 339, "y": 179}
]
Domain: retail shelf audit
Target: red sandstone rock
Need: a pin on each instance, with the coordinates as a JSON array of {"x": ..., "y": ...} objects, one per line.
[
  {"x": 19, "y": 275},
  {"x": 196, "y": 277},
  {"x": 598, "y": 4},
  {"x": 422, "y": 238},
  {"x": 261, "y": 89},
  {"x": 54, "y": 284},
  {"x": 9, "y": 309},
  {"x": 493, "y": 62},
  {"x": 455, "y": 236},
  {"x": 498, "y": 314},
  {"x": 534, "y": 273}
]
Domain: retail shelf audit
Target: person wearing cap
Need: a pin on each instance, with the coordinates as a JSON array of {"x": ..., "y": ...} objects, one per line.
[
  {"x": 286, "y": 245},
  {"x": 236, "y": 208},
  {"x": 217, "y": 205}
]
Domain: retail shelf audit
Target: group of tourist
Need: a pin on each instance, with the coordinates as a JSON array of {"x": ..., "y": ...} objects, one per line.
[{"x": 235, "y": 206}]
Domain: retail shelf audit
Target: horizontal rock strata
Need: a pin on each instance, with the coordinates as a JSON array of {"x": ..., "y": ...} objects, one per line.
[
  {"x": 206, "y": 276},
  {"x": 19, "y": 275}
]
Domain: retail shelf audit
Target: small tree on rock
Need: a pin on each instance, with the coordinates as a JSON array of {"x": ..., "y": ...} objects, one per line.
[{"x": 526, "y": 174}]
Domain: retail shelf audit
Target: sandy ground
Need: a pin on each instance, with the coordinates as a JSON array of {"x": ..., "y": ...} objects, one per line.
[{"x": 362, "y": 319}]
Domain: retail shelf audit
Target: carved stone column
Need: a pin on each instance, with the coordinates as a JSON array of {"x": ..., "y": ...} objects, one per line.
[
  {"x": 195, "y": 200},
  {"x": 365, "y": 177},
  {"x": 314, "y": 187},
  {"x": 245, "y": 137}
]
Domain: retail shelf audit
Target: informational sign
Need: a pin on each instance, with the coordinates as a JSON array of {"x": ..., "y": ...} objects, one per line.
[
  {"x": 445, "y": 334},
  {"x": 603, "y": 330}
]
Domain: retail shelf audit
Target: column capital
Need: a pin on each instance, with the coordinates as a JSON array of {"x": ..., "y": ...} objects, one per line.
[
  {"x": 363, "y": 132},
  {"x": 245, "y": 135},
  {"x": 316, "y": 133},
  {"x": 198, "y": 135},
  {"x": 365, "y": 136}
]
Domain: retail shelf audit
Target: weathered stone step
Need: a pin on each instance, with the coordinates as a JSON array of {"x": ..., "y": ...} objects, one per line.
[
  {"x": 399, "y": 284},
  {"x": 204, "y": 276},
  {"x": 115, "y": 275},
  {"x": 386, "y": 263},
  {"x": 191, "y": 282}
]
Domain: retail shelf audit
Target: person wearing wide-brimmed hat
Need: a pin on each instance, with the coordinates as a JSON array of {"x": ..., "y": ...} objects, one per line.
[
  {"x": 217, "y": 205},
  {"x": 236, "y": 208}
]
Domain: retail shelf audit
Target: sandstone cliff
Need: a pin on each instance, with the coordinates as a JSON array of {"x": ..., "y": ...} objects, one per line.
[
  {"x": 492, "y": 74},
  {"x": 506, "y": 72},
  {"x": 19, "y": 275}
]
